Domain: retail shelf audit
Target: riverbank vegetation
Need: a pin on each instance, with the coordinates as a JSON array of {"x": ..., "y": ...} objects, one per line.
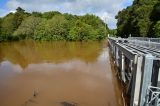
[
  {"x": 51, "y": 26},
  {"x": 141, "y": 19}
]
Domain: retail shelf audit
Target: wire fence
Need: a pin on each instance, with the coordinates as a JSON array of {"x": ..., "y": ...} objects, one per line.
[{"x": 145, "y": 39}]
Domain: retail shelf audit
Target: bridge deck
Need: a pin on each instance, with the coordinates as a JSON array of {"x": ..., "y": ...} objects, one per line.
[{"x": 138, "y": 60}]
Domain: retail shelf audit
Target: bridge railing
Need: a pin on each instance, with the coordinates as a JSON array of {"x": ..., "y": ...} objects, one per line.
[
  {"x": 139, "y": 69},
  {"x": 153, "y": 96},
  {"x": 145, "y": 39}
]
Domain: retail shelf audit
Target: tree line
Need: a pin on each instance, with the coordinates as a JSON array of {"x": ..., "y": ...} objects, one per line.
[
  {"x": 141, "y": 19},
  {"x": 51, "y": 25}
]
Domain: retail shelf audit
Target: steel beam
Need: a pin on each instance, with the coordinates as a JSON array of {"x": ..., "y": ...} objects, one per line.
[
  {"x": 136, "y": 82},
  {"x": 123, "y": 68},
  {"x": 128, "y": 53},
  {"x": 145, "y": 79}
]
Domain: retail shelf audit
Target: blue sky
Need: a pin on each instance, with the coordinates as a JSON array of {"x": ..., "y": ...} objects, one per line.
[
  {"x": 2, "y": 3},
  {"x": 105, "y": 9}
]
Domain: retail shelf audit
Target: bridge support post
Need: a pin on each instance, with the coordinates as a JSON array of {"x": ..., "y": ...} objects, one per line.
[
  {"x": 132, "y": 70},
  {"x": 145, "y": 79},
  {"x": 131, "y": 65},
  {"x": 117, "y": 57},
  {"x": 123, "y": 67},
  {"x": 136, "y": 80}
]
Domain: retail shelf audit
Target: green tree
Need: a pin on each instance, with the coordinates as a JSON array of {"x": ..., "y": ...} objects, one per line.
[
  {"x": 0, "y": 25},
  {"x": 143, "y": 16},
  {"x": 20, "y": 10},
  {"x": 155, "y": 15},
  {"x": 37, "y": 14},
  {"x": 49, "y": 15},
  {"x": 71, "y": 19},
  {"x": 40, "y": 32},
  {"x": 1, "y": 38},
  {"x": 58, "y": 26},
  {"x": 93, "y": 20},
  {"x": 19, "y": 16},
  {"x": 7, "y": 25},
  {"x": 82, "y": 31},
  {"x": 53, "y": 29},
  {"x": 113, "y": 32},
  {"x": 11, "y": 22},
  {"x": 26, "y": 29},
  {"x": 135, "y": 19},
  {"x": 156, "y": 29},
  {"x": 102, "y": 32},
  {"x": 97, "y": 24},
  {"x": 51, "y": 26},
  {"x": 127, "y": 22}
]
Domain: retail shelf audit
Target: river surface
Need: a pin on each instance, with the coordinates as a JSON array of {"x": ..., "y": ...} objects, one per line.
[{"x": 57, "y": 74}]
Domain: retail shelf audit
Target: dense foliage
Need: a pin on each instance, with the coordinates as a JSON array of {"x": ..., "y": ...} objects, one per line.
[
  {"x": 141, "y": 19},
  {"x": 51, "y": 26}
]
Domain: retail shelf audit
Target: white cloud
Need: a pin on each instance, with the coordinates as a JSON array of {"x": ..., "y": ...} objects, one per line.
[
  {"x": 108, "y": 18},
  {"x": 3, "y": 12},
  {"x": 102, "y": 8}
]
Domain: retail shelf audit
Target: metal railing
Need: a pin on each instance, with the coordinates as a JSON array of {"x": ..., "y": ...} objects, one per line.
[
  {"x": 153, "y": 94},
  {"x": 138, "y": 57},
  {"x": 145, "y": 39}
]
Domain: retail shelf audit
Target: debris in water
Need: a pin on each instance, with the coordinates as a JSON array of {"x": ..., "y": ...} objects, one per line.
[
  {"x": 64, "y": 103},
  {"x": 35, "y": 93},
  {"x": 31, "y": 99}
]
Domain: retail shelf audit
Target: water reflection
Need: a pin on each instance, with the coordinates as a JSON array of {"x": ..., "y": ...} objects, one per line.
[
  {"x": 24, "y": 53},
  {"x": 56, "y": 74},
  {"x": 7, "y": 69}
]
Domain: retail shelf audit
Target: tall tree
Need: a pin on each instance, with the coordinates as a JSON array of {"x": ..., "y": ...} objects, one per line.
[
  {"x": 26, "y": 29},
  {"x": 19, "y": 16},
  {"x": 82, "y": 31},
  {"x": 52, "y": 29},
  {"x": 40, "y": 32},
  {"x": 49, "y": 15},
  {"x": 156, "y": 29},
  {"x": 20, "y": 10},
  {"x": 52, "y": 26},
  {"x": 58, "y": 26},
  {"x": 93, "y": 20},
  {"x": 155, "y": 17},
  {"x": 37, "y": 14},
  {"x": 7, "y": 27},
  {"x": 0, "y": 25},
  {"x": 11, "y": 22},
  {"x": 135, "y": 19}
]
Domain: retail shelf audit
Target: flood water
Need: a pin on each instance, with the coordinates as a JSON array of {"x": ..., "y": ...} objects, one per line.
[{"x": 57, "y": 74}]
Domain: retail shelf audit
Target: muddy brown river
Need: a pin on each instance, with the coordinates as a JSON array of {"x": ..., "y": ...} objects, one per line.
[{"x": 57, "y": 74}]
